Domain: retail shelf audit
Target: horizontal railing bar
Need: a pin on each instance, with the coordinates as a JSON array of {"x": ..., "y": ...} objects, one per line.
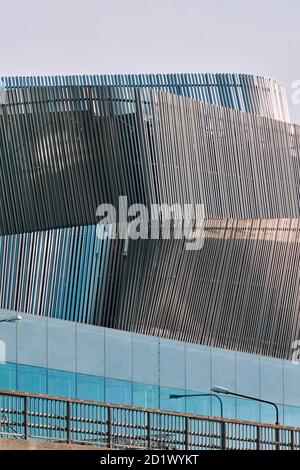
[{"x": 101, "y": 424}]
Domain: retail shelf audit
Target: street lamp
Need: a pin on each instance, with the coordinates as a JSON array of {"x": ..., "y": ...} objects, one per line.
[
  {"x": 11, "y": 319},
  {"x": 225, "y": 391},
  {"x": 200, "y": 395}
]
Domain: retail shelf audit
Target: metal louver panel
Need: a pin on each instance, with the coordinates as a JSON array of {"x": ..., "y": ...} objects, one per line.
[
  {"x": 68, "y": 145},
  {"x": 241, "y": 291},
  {"x": 93, "y": 144},
  {"x": 58, "y": 273},
  {"x": 257, "y": 95}
]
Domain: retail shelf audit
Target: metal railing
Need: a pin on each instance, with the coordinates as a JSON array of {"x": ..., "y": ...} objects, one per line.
[{"x": 43, "y": 417}]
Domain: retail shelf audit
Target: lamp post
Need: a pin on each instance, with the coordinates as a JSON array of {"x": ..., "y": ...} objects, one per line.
[
  {"x": 222, "y": 423},
  {"x": 200, "y": 395},
  {"x": 225, "y": 391}
]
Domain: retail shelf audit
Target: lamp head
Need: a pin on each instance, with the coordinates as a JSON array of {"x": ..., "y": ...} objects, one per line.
[{"x": 223, "y": 390}]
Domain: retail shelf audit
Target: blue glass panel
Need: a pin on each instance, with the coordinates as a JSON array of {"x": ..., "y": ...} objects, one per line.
[
  {"x": 118, "y": 391},
  {"x": 61, "y": 345},
  {"x": 292, "y": 416},
  {"x": 8, "y": 376},
  {"x": 291, "y": 383},
  {"x": 31, "y": 379},
  {"x": 171, "y": 404},
  {"x": 271, "y": 379},
  {"x": 198, "y": 368},
  {"x": 145, "y": 395},
  {"x": 31, "y": 343},
  {"x": 118, "y": 355},
  {"x": 199, "y": 405},
  {"x": 229, "y": 407},
  {"x": 145, "y": 359},
  {"x": 247, "y": 410},
  {"x": 247, "y": 374},
  {"x": 223, "y": 369},
  {"x": 268, "y": 413},
  {"x": 61, "y": 383},
  {"x": 8, "y": 336},
  {"x": 172, "y": 364},
  {"x": 90, "y": 350},
  {"x": 3, "y": 355},
  {"x": 90, "y": 387}
]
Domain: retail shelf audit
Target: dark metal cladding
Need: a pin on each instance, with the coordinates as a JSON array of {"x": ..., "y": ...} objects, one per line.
[
  {"x": 68, "y": 145},
  {"x": 65, "y": 150}
]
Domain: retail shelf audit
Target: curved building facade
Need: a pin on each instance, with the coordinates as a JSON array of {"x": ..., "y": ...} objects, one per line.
[
  {"x": 70, "y": 144},
  {"x": 258, "y": 95}
]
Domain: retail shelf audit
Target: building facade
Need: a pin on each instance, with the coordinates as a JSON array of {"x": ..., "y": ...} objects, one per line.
[
  {"x": 71, "y": 359},
  {"x": 227, "y": 312}
]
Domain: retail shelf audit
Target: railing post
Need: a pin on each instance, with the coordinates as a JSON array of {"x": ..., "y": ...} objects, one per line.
[
  {"x": 277, "y": 443},
  {"x": 109, "y": 427},
  {"x": 292, "y": 440},
  {"x": 257, "y": 438},
  {"x": 187, "y": 432},
  {"x": 68, "y": 421},
  {"x": 223, "y": 435},
  {"x": 149, "y": 433},
  {"x": 26, "y": 418}
]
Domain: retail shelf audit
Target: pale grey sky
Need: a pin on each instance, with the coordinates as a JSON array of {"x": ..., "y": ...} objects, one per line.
[{"x": 262, "y": 37}]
